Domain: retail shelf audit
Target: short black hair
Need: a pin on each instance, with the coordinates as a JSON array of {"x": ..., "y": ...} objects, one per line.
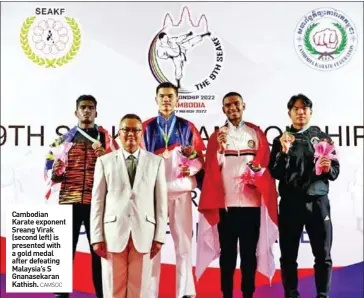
[
  {"x": 85, "y": 97},
  {"x": 305, "y": 100},
  {"x": 131, "y": 116},
  {"x": 232, "y": 93},
  {"x": 161, "y": 35},
  {"x": 167, "y": 85}
]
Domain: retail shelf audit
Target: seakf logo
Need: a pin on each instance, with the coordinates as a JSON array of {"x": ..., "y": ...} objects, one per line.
[
  {"x": 182, "y": 52},
  {"x": 325, "y": 39},
  {"x": 50, "y": 39}
]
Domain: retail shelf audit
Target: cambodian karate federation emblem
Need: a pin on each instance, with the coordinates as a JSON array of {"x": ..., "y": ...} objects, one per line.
[
  {"x": 186, "y": 53},
  {"x": 325, "y": 39},
  {"x": 50, "y": 40}
]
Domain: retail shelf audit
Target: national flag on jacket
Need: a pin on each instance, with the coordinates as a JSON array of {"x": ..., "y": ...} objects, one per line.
[
  {"x": 213, "y": 198},
  {"x": 110, "y": 144}
]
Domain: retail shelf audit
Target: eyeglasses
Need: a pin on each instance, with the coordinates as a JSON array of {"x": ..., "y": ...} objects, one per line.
[{"x": 132, "y": 130}]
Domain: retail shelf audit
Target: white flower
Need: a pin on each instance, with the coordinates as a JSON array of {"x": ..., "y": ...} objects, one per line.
[{"x": 50, "y": 36}]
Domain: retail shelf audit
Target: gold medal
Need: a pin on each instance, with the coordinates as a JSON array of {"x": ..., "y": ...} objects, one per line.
[{"x": 165, "y": 154}]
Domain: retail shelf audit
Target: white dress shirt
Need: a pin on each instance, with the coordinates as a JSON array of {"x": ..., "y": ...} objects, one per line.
[{"x": 126, "y": 154}]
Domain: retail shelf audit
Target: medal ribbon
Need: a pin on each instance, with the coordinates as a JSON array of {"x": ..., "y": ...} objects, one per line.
[
  {"x": 87, "y": 136},
  {"x": 164, "y": 134},
  {"x": 303, "y": 129}
]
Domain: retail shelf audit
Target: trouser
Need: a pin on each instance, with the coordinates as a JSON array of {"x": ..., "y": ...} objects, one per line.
[
  {"x": 238, "y": 224},
  {"x": 126, "y": 274},
  {"x": 178, "y": 66},
  {"x": 180, "y": 224},
  {"x": 81, "y": 213},
  {"x": 313, "y": 212}
]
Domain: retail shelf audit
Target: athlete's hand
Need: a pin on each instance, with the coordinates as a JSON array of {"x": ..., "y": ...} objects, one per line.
[
  {"x": 156, "y": 247},
  {"x": 325, "y": 164},
  {"x": 222, "y": 139},
  {"x": 100, "y": 249},
  {"x": 58, "y": 166},
  {"x": 286, "y": 141}
]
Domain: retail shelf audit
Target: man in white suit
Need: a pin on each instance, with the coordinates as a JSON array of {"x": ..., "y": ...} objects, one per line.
[{"x": 128, "y": 213}]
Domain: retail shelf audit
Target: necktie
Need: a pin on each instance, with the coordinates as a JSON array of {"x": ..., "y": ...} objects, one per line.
[{"x": 131, "y": 169}]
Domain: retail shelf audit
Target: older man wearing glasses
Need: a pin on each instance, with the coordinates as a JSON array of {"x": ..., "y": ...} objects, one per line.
[{"x": 128, "y": 213}]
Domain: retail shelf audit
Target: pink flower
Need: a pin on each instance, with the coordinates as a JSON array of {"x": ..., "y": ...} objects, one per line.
[
  {"x": 60, "y": 153},
  {"x": 185, "y": 162},
  {"x": 323, "y": 149},
  {"x": 247, "y": 178}
]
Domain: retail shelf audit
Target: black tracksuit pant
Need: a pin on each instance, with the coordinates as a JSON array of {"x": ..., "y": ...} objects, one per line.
[
  {"x": 81, "y": 213},
  {"x": 238, "y": 224},
  {"x": 313, "y": 212}
]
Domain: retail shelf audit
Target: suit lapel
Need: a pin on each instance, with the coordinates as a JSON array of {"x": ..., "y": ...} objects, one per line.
[
  {"x": 122, "y": 168},
  {"x": 141, "y": 167}
]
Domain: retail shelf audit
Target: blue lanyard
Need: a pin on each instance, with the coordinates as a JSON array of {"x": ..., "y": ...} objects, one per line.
[{"x": 164, "y": 134}]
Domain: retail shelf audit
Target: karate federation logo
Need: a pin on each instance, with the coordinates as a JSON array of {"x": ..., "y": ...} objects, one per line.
[
  {"x": 186, "y": 53},
  {"x": 50, "y": 41},
  {"x": 325, "y": 39}
]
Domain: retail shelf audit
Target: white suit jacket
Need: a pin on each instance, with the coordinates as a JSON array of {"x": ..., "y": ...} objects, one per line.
[{"x": 118, "y": 210}]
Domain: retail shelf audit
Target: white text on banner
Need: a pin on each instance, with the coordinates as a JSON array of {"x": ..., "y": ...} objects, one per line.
[{"x": 39, "y": 249}]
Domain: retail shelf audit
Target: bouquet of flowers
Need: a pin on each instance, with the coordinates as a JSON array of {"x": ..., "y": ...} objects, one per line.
[
  {"x": 60, "y": 153},
  {"x": 247, "y": 178},
  {"x": 323, "y": 148},
  {"x": 187, "y": 159}
]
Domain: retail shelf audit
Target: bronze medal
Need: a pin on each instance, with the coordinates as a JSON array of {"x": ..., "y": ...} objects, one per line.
[{"x": 165, "y": 154}]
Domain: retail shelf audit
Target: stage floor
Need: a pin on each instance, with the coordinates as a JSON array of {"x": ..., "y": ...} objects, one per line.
[{"x": 346, "y": 282}]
